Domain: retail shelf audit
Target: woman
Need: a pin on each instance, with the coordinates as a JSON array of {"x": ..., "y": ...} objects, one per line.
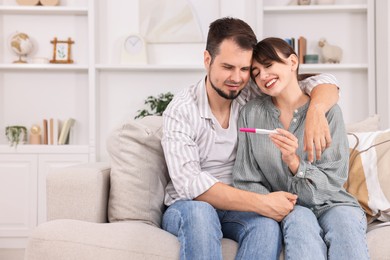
[{"x": 326, "y": 222}]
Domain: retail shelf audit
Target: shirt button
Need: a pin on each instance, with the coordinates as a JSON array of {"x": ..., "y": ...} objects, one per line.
[
  {"x": 300, "y": 174},
  {"x": 296, "y": 111},
  {"x": 294, "y": 120}
]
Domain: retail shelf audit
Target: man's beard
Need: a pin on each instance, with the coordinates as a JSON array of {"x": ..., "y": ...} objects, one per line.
[{"x": 230, "y": 95}]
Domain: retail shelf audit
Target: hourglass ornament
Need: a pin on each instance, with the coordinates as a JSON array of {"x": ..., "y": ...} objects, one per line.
[{"x": 35, "y": 134}]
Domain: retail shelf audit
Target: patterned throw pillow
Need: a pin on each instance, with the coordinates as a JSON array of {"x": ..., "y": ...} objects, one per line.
[{"x": 369, "y": 172}]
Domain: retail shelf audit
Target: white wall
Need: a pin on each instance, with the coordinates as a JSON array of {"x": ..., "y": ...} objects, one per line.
[{"x": 383, "y": 58}]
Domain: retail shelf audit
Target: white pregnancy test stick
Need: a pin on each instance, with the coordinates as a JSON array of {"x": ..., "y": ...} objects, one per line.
[{"x": 258, "y": 131}]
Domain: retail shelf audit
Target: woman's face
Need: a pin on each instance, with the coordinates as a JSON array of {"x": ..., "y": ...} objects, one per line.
[{"x": 274, "y": 77}]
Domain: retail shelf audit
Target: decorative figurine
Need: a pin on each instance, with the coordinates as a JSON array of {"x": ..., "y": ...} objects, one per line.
[{"x": 330, "y": 53}]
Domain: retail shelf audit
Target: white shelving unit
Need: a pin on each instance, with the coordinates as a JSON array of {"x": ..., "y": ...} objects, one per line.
[
  {"x": 100, "y": 92},
  {"x": 348, "y": 24},
  {"x": 47, "y": 90},
  {"x": 30, "y": 93}
]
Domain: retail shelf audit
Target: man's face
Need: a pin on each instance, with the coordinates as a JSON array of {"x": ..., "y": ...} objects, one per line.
[{"x": 229, "y": 73}]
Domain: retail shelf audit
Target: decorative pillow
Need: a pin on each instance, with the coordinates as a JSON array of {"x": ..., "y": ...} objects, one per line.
[
  {"x": 369, "y": 124},
  {"x": 369, "y": 172},
  {"x": 138, "y": 171}
]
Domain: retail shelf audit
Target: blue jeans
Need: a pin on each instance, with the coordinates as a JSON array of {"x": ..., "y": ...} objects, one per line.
[
  {"x": 339, "y": 233},
  {"x": 200, "y": 229}
]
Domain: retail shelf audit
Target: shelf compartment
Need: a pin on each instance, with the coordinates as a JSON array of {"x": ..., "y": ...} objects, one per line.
[
  {"x": 44, "y": 149},
  {"x": 43, "y": 10},
  {"x": 121, "y": 67},
  {"x": 315, "y": 8},
  {"x": 38, "y": 67},
  {"x": 335, "y": 67}
]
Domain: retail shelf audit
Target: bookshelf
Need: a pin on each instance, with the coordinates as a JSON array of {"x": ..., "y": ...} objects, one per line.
[{"x": 355, "y": 34}]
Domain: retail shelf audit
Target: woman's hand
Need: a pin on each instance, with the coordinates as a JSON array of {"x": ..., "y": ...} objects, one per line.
[{"x": 288, "y": 145}]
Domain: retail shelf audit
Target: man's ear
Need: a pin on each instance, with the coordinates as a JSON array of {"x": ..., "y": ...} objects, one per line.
[{"x": 206, "y": 59}]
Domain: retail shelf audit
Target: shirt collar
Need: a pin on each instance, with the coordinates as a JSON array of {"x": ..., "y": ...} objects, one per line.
[
  {"x": 298, "y": 112},
  {"x": 203, "y": 101}
]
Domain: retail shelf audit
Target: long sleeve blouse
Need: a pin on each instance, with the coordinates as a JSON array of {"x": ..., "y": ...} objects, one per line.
[{"x": 259, "y": 166}]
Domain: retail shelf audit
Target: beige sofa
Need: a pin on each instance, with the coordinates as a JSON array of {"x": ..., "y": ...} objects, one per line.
[{"x": 113, "y": 211}]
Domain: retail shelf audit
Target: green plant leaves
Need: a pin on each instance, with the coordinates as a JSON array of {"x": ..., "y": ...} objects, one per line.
[{"x": 156, "y": 104}]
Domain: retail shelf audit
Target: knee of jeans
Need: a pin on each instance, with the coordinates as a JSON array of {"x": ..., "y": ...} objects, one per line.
[
  {"x": 191, "y": 213},
  {"x": 201, "y": 211},
  {"x": 264, "y": 224},
  {"x": 300, "y": 216},
  {"x": 346, "y": 218}
]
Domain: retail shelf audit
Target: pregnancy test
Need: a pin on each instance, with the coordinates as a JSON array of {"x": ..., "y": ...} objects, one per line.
[{"x": 258, "y": 131}]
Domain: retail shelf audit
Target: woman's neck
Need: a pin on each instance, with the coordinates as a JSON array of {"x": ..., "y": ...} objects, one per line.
[{"x": 288, "y": 101}]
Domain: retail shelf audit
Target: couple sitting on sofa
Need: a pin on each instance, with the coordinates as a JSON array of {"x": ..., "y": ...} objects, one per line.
[{"x": 200, "y": 147}]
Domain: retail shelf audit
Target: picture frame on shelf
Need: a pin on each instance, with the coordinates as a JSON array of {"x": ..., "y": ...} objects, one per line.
[{"x": 62, "y": 51}]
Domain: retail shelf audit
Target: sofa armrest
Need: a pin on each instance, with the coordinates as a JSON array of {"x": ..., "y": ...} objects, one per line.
[{"x": 79, "y": 192}]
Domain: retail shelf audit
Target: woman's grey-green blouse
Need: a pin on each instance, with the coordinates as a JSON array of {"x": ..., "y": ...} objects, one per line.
[{"x": 259, "y": 166}]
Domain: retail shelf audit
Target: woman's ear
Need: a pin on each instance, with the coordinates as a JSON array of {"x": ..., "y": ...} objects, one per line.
[{"x": 294, "y": 62}]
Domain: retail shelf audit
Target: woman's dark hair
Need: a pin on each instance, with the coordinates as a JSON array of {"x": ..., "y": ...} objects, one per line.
[
  {"x": 266, "y": 52},
  {"x": 229, "y": 28}
]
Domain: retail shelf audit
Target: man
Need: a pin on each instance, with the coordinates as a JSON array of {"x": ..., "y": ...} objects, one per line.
[{"x": 200, "y": 142}]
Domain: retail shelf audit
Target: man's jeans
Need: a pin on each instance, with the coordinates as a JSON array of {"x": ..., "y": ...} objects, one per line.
[
  {"x": 339, "y": 233},
  {"x": 200, "y": 228}
]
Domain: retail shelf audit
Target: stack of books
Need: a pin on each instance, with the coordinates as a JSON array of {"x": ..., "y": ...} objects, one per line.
[
  {"x": 299, "y": 46},
  {"x": 56, "y": 134}
]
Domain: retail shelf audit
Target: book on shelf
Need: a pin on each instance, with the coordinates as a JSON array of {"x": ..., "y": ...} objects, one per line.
[
  {"x": 302, "y": 42},
  {"x": 53, "y": 130},
  {"x": 45, "y": 133},
  {"x": 65, "y": 131}
]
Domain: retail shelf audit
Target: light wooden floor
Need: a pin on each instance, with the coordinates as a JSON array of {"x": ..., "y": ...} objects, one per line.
[{"x": 11, "y": 254}]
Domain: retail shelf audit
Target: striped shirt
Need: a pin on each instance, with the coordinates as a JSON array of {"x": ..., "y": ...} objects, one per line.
[
  {"x": 259, "y": 167},
  {"x": 190, "y": 133}
]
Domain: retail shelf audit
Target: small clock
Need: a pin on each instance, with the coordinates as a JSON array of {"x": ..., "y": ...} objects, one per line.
[{"x": 133, "y": 50}]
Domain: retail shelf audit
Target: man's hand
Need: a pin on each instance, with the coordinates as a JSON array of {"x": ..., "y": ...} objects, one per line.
[
  {"x": 317, "y": 134},
  {"x": 277, "y": 205}
]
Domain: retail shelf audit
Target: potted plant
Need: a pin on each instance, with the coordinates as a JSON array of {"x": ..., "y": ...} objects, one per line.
[
  {"x": 16, "y": 134},
  {"x": 157, "y": 105}
]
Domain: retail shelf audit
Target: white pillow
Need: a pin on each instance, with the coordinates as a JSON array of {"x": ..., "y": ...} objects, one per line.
[{"x": 138, "y": 171}]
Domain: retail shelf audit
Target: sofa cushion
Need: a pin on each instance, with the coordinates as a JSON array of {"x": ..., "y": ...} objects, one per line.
[
  {"x": 369, "y": 124},
  {"x": 72, "y": 239},
  {"x": 138, "y": 171},
  {"x": 369, "y": 172}
]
